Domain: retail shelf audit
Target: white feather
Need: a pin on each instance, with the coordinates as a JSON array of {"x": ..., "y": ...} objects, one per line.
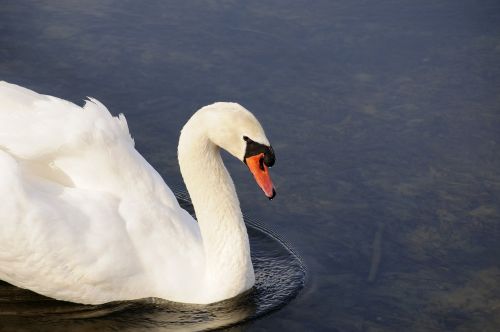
[{"x": 85, "y": 218}]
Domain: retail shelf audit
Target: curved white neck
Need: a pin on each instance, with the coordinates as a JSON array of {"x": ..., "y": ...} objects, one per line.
[{"x": 225, "y": 240}]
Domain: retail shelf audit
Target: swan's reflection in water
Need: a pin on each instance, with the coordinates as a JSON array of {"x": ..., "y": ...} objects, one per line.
[{"x": 279, "y": 276}]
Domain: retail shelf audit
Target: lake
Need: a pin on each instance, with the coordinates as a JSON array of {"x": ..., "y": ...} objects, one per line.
[{"x": 384, "y": 116}]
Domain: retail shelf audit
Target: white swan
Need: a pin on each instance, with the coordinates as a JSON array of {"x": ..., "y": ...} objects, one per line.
[{"x": 84, "y": 218}]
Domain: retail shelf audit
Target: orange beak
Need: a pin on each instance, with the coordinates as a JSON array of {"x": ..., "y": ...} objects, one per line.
[{"x": 261, "y": 174}]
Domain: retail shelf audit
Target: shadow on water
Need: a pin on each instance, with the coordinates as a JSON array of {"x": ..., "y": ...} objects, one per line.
[{"x": 279, "y": 272}]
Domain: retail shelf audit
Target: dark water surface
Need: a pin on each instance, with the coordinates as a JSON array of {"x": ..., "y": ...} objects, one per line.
[{"x": 384, "y": 115}]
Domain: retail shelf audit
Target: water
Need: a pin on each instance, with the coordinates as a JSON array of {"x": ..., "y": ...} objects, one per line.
[{"x": 384, "y": 117}]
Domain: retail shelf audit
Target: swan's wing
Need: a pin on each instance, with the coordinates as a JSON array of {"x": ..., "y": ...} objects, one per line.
[
  {"x": 80, "y": 206},
  {"x": 90, "y": 246},
  {"x": 33, "y": 125},
  {"x": 61, "y": 241},
  {"x": 79, "y": 147}
]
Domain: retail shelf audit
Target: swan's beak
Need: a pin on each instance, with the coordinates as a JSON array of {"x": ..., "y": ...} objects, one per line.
[{"x": 260, "y": 172}]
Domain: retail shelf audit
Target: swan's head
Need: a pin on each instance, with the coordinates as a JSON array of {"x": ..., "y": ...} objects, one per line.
[{"x": 237, "y": 131}]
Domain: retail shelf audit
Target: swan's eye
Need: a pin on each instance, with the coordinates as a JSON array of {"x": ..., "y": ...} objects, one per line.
[
  {"x": 261, "y": 163},
  {"x": 245, "y": 138}
]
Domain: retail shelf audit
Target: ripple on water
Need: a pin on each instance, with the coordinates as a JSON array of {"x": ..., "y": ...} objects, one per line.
[{"x": 279, "y": 274}]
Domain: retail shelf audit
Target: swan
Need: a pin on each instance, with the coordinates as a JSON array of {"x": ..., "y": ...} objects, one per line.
[{"x": 85, "y": 218}]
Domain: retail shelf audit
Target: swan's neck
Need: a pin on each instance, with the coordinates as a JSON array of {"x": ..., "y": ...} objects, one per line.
[{"x": 225, "y": 241}]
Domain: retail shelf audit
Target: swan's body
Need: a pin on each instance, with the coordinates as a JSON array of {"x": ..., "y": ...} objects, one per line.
[{"x": 84, "y": 218}]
